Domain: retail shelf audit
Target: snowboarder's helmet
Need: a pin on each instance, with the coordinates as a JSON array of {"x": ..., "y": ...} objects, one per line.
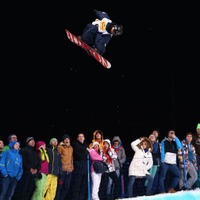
[{"x": 118, "y": 29}]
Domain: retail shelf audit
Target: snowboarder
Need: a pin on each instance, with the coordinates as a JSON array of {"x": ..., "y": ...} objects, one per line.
[{"x": 98, "y": 33}]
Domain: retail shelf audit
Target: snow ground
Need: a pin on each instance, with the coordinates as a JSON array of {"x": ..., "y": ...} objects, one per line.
[{"x": 183, "y": 195}]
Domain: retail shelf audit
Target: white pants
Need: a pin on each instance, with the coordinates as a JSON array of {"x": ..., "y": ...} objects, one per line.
[{"x": 96, "y": 180}]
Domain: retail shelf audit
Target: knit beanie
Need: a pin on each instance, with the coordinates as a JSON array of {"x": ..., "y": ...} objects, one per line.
[
  {"x": 28, "y": 139},
  {"x": 52, "y": 140},
  {"x": 95, "y": 143},
  {"x": 39, "y": 144},
  {"x": 198, "y": 126},
  {"x": 108, "y": 141}
]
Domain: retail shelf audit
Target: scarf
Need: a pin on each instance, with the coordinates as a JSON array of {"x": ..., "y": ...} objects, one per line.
[
  {"x": 43, "y": 154},
  {"x": 109, "y": 159}
]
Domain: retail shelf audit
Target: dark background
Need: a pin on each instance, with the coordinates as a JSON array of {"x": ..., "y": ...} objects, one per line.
[{"x": 50, "y": 86}]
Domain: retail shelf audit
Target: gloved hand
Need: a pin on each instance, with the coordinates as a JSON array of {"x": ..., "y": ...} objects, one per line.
[{"x": 39, "y": 175}]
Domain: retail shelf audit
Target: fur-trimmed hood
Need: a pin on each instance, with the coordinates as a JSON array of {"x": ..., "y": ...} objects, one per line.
[
  {"x": 117, "y": 138},
  {"x": 97, "y": 131},
  {"x": 95, "y": 140}
]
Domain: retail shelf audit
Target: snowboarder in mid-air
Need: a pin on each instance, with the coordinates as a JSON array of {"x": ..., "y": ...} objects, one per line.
[{"x": 98, "y": 33}]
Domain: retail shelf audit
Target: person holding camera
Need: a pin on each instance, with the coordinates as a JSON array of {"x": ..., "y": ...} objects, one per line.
[{"x": 171, "y": 148}]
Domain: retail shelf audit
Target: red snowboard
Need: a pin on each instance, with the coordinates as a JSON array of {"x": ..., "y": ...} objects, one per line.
[{"x": 105, "y": 63}]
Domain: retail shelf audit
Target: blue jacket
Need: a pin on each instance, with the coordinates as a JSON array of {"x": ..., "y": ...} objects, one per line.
[
  {"x": 11, "y": 163},
  {"x": 169, "y": 146}
]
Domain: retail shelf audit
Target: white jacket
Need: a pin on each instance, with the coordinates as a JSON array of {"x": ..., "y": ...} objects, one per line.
[{"x": 142, "y": 161}]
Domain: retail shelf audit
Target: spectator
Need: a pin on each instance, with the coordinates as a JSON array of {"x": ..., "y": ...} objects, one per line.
[
  {"x": 196, "y": 143},
  {"x": 109, "y": 155},
  {"x": 188, "y": 164},
  {"x": 156, "y": 132},
  {"x": 43, "y": 172},
  {"x": 170, "y": 147},
  {"x": 54, "y": 170},
  {"x": 1, "y": 153},
  {"x": 142, "y": 161},
  {"x": 11, "y": 137},
  {"x": 116, "y": 144},
  {"x": 11, "y": 170},
  {"x": 66, "y": 151},
  {"x": 156, "y": 162},
  {"x": 80, "y": 173},
  {"x": 97, "y": 137},
  {"x": 31, "y": 165},
  {"x": 95, "y": 177}
]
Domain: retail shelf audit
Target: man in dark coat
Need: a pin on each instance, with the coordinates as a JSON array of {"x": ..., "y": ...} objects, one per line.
[
  {"x": 80, "y": 179},
  {"x": 31, "y": 166}
]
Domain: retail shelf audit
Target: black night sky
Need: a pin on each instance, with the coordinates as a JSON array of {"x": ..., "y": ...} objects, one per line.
[{"x": 50, "y": 86}]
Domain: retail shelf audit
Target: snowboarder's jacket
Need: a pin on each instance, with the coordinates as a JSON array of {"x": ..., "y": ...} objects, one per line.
[{"x": 97, "y": 34}]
